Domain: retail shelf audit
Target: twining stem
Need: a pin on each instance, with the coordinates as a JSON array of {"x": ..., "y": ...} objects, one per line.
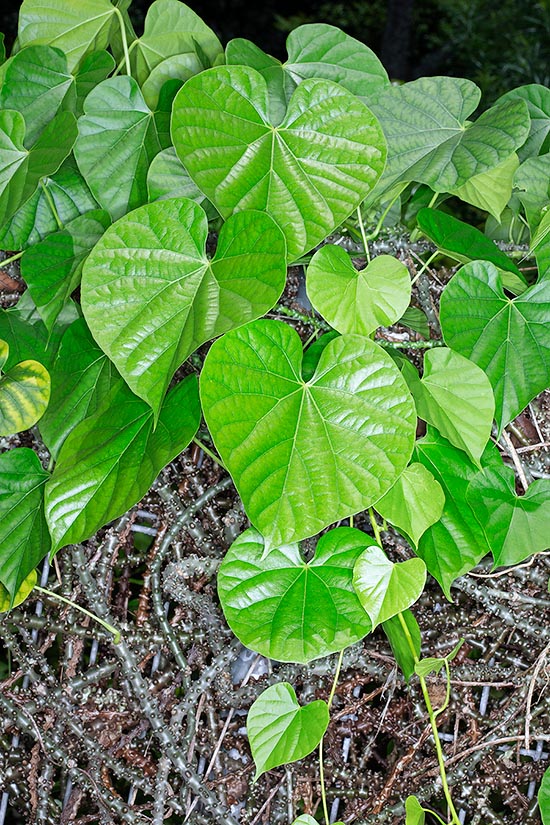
[
  {"x": 51, "y": 202},
  {"x": 106, "y": 625},
  {"x": 10, "y": 260},
  {"x": 124, "y": 41},
  {"x": 425, "y": 266},
  {"x": 433, "y": 716},
  {"x": 209, "y": 452},
  {"x": 375, "y": 526},
  {"x": 321, "y": 768},
  {"x": 363, "y": 234}
]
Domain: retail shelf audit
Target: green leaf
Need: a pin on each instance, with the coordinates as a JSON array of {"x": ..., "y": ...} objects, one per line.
[
  {"x": 384, "y": 588},
  {"x": 414, "y": 503},
  {"x": 172, "y": 28},
  {"x": 544, "y": 798},
  {"x": 430, "y": 140},
  {"x": 357, "y": 301},
  {"x": 168, "y": 178},
  {"x": 117, "y": 139},
  {"x": 21, "y": 170},
  {"x": 7, "y": 602},
  {"x": 516, "y": 527},
  {"x": 414, "y": 812},
  {"x": 27, "y": 336},
  {"x": 532, "y": 179},
  {"x": 309, "y": 173},
  {"x": 186, "y": 298},
  {"x": 490, "y": 190},
  {"x": 109, "y": 460},
  {"x": 456, "y": 543},
  {"x": 75, "y": 28},
  {"x": 542, "y": 235},
  {"x": 289, "y": 609},
  {"x": 2, "y": 48},
  {"x": 305, "y": 454},
  {"x": 537, "y": 98},
  {"x": 280, "y": 731},
  {"x": 507, "y": 339},
  {"x": 415, "y": 319},
  {"x": 313, "y": 354},
  {"x": 24, "y": 537},
  {"x": 24, "y": 395},
  {"x": 94, "y": 69},
  {"x": 52, "y": 268},
  {"x": 82, "y": 377},
  {"x": 306, "y": 819},
  {"x": 36, "y": 82},
  {"x": 179, "y": 67},
  {"x": 465, "y": 243},
  {"x": 400, "y": 644},
  {"x": 435, "y": 665},
  {"x": 455, "y": 396}
]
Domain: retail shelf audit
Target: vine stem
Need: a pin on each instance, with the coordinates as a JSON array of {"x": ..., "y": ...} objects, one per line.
[
  {"x": 321, "y": 768},
  {"x": 124, "y": 41},
  {"x": 363, "y": 234},
  {"x": 106, "y": 625},
  {"x": 10, "y": 260},
  {"x": 433, "y": 717},
  {"x": 209, "y": 453},
  {"x": 375, "y": 526},
  {"x": 51, "y": 202}
]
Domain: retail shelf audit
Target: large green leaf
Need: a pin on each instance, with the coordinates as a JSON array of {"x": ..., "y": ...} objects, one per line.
[
  {"x": 117, "y": 139},
  {"x": 22, "y": 170},
  {"x": 455, "y": 396},
  {"x": 430, "y": 139},
  {"x": 414, "y": 503},
  {"x": 508, "y": 339},
  {"x": 537, "y": 98},
  {"x": 24, "y": 537},
  {"x": 24, "y": 394},
  {"x": 82, "y": 376},
  {"x": 172, "y": 28},
  {"x": 465, "y": 243},
  {"x": 357, "y": 301},
  {"x": 384, "y": 588},
  {"x": 309, "y": 173},
  {"x": 305, "y": 454},
  {"x": 532, "y": 179},
  {"x": 289, "y": 609},
  {"x": 280, "y": 731},
  {"x": 399, "y": 641},
  {"x": 109, "y": 461},
  {"x": 516, "y": 526},
  {"x": 36, "y": 82},
  {"x": 52, "y": 268},
  {"x": 150, "y": 316},
  {"x": 75, "y": 28},
  {"x": 543, "y": 798},
  {"x": 457, "y": 542}
]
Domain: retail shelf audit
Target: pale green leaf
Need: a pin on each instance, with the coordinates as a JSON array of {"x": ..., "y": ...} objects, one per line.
[
  {"x": 384, "y": 588},
  {"x": 414, "y": 503},
  {"x": 543, "y": 798},
  {"x": 490, "y": 190},
  {"x": 27, "y": 586},
  {"x": 414, "y": 812},
  {"x": 24, "y": 396},
  {"x": 532, "y": 179},
  {"x": 537, "y": 98}
]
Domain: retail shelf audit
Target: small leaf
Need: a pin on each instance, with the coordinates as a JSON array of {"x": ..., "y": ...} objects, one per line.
[
  {"x": 415, "y": 319},
  {"x": 94, "y": 69},
  {"x": 24, "y": 536},
  {"x": 7, "y": 603},
  {"x": 414, "y": 811},
  {"x": 400, "y": 644},
  {"x": 357, "y": 301},
  {"x": 490, "y": 190},
  {"x": 289, "y": 609},
  {"x": 306, "y": 819},
  {"x": 532, "y": 179},
  {"x": 280, "y": 731},
  {"x": 507, "y": 339},
  {"x": 543, "y": 798},
  {"x": 304, "y": 455},
  {"x": 24, "y": 396},
  {"x": 168, "y": 178},
  {"x": 429, "y": 665},
  {"x": 384, "y": 588},
  {"x": 27, "y": 336},
  {"x": 414, "y": 503}
]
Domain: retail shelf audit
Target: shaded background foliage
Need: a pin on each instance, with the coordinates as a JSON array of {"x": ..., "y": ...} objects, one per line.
[{"x": 498, "y": 45}]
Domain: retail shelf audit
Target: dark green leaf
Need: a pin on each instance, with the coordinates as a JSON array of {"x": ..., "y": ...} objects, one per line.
[
  {"x": 415, "y": 319},
  {"x": 537, "y": 98},
  {"x": 95, "y": 68},
  {"x": 533, "y": 182},
  {"x": 400, "y": 644}
]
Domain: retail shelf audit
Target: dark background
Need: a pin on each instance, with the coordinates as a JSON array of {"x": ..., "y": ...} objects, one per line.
[{"x": 499, "y": 45}]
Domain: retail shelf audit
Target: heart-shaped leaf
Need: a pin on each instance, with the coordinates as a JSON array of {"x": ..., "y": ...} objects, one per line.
[
  {"x": 109, "y": 461},
  {"x": 454, "y": 390},
  {"x": 414, "y": 812},
  {"x": 7, "y": 602},
  {"x": 75, "y": 28},
  {"x": 280, "y": 731},
  {"x": 543, "y": 798},
  {"x": 384, "y": 588},
  {"x": 309, "y": 173},
  {"x": 399, "y": 641},
  {"x": 52, "y": 268},
  {"x": 36, "y": 81},
  {"x": 456, "y": 543},
  {"x": 429, "y": 140},
  {"x": 357, "y": 301},
  {"x": 24, "y": 536},
  {"x": 82, "y": 377},
  {"x": 306, "y": 819},
  {"x": 508, "y": 339},
  {"x": 414, "y": 503},
  {"x": 537, "y": 98},
  {"x": 515, "y": 526},
  {"x": 289, "y": 609},
  {"x": 24, "y": 394},
  {"x": 117, "y": 140},
  {"x": 305, "y": 454},
  {"x": 186, "y": 298},
  {"x": 491, "y": 190}
]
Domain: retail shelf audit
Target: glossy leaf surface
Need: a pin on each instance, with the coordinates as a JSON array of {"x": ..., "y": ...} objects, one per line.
[
  {"x": 508, "y": 339},
  {"x": 414, "y": 503},
  {"x": 305, "y": 454},
  {"x": 109, "y": 460},
  {"x": 357, "y": 301},
  {"x": 24, "y": 395},
  {"x": 384, "y": 588},
  {"x": 309, "y": 173},
  {"x": 24, "y": 536},
  {"x": 280, "y": 731},
  {"x": 289, "y": 609},
  {"x": 151, "y": 295}
]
